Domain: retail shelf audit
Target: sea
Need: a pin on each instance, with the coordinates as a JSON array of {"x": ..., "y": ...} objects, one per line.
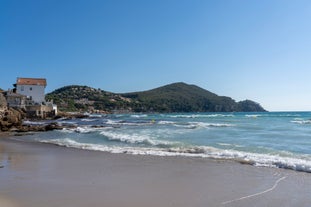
[{"x": 268, "y": 139}]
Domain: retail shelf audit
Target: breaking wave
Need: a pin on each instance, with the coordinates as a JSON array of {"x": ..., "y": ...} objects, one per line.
[
  {"x": 274, "y": 139},
  {"x": 135, "y": 139},
  {"x": 193, "y": 125},
  {"x": 200, "y": 115},
  {"x": 262, "y": 160},
  {"x": 27, "y": 122},
  {"x": 297, "y": 121}
]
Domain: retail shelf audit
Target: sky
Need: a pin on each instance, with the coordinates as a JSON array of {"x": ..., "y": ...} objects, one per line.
[{"x": 244, "y": 49}]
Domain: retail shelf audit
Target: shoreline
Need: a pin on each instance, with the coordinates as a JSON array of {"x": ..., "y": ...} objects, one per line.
[{"x": 60, "y": 176}]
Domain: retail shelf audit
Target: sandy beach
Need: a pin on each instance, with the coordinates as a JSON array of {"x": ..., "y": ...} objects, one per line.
[{"x": 36, "y": 175}]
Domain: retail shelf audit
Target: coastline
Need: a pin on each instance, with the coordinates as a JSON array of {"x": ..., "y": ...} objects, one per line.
[{"x": 35, "y": 174}]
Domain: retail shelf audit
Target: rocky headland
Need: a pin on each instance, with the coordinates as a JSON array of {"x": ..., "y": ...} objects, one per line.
[{"x": 11, "y": 120}]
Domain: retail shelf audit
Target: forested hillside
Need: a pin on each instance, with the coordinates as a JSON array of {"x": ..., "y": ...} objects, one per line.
[{"x": 176, "y": 97}]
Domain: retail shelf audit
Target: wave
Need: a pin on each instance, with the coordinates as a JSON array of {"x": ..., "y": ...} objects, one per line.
[
  {"x": 27, "y": 122},
  {"x": 200, "y": 115},
  {"x": 207, "y": 125},
  {"x": 89, "y": 120},
  {"x": 95, "y": 116},
  {"x": 301, "y": 121},
  {"x": 229, "y": 145},
  {"x": 127, "y": 123},
  {"x": 193, "y": 125},
  {"x": 135, "y": 139},
  {"x": 139, "y": 115},
  {"x": 166, "y": 122},
  {"x": 82, "y": 130},
  {"x": 261, "y": 160},
  {"x": 272, "y": 114},
  {"x": 256, "y": 159}
]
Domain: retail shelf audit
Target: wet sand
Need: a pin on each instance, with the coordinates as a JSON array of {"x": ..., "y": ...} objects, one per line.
[{"x": 37, "y": 175}]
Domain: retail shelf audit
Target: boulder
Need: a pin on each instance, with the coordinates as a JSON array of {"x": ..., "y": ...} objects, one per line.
[
  {"x": 10, "y": 118},
  {"x": 53, "y": 126}
]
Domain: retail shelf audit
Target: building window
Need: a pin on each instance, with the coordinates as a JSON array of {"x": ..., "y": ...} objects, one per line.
[
  {"x": 22, "y": 88},
  {"x": 30, "y": 88}
]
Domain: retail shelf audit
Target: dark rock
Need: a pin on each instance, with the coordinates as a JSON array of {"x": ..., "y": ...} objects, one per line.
[
  {"x": 38, "y": 128},
  {"x": 10, "y": 118},
  {"x": 97, "y": 126},
  {"x": 53, "y": 126},
  {"x": 69, "y": 116}
]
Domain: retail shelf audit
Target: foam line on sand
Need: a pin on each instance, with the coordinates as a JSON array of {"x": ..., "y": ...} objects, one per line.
[{"x": 256, "y": 194}]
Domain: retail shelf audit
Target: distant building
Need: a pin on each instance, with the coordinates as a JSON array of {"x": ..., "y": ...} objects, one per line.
[
  {"x": 15, "y": 100},
  {"x": 32, "y": 88},
  {"x": 29, "y": 95}
]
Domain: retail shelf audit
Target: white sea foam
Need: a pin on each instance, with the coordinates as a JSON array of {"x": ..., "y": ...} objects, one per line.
[
  {"x": 65, "y": 130},
  {"x": 207, "y": 125},
  {"x": 194, "y": 125},
  {"x": 95, "y": 115},
  {"x": 134, "y": 138},
  {"x": 82, "y": 129},
  {"x": 256, "y": 159},
  {"x": 124, "y": 123},
  {"x": 301, "y": 121},
  {"x": 231, "y": 145},
  {"x": 88, "y": 120},
  {"x": 139, "y": 115},
  {"x": 200, "y": 115},
  {"x": 27, "y": 122},
  {"x": 262, "y": 160},
  {"x": 166, "y": 122},
  {"x": 112, "y": 122}
]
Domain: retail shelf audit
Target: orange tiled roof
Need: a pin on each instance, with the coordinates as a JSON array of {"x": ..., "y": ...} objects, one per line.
[{"x": 31, "y": 81}]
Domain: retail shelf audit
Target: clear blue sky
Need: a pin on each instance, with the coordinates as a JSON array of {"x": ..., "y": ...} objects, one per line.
[{"x": 245, "y": 49}]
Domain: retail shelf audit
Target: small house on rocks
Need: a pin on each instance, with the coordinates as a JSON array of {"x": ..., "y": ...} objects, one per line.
[
  {"x": 29, "y": 94},
  {"x": 33, "y": 88}
]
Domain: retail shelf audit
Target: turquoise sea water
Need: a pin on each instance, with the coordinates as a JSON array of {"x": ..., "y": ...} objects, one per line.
[{"x": 272, "y": 139}]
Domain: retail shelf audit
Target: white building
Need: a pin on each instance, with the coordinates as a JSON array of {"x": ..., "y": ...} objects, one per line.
[{"x": 33, "y": 88}]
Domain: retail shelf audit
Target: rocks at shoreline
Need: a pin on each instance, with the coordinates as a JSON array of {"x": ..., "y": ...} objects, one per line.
[
  {"x": 38, "y": 128},
  {"x": 64, "y": 115},
  {"x": 10, "y": 118}
]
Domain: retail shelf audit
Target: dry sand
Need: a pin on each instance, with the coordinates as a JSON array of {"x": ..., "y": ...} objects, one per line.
[{"x": 41, "y": 175}]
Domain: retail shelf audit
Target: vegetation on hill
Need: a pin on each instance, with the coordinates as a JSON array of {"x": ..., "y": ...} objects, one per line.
[
  {"x": 181, "y": 97},
  {"x": 84, "y": 98},
  {"x": 176, "y": 97}
]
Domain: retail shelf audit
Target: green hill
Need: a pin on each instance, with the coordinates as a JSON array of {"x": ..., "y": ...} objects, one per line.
[
  {"x": 176, "y": 97},
  {"x": 84, "y": 98},
  {"x": 182, "y": 97}
]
